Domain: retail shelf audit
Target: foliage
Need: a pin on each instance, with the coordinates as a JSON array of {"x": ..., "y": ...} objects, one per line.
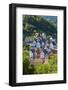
[
  {"x": 42, "y": 68},
  {"x": 49, "y": 68},
  {"x": 27, "y": 68},
  {"x": 25, "y": 62},
  {"x": 38, "y": 24}
]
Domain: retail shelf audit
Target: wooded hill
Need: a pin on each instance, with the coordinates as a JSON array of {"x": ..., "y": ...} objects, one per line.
[{"x": 33, "y": 24}]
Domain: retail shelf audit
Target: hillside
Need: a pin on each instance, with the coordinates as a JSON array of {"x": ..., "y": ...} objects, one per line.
[{"x": 33, "y": 24}]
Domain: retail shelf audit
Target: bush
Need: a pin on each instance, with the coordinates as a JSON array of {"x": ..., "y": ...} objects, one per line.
[
  {"x": 53, "y": 63},
  {"x": 27, "y": 68},
  {"x": 25, "y": 62},
  {"x": 49, "y": 68},
  {"x": 42, "y": 68}
]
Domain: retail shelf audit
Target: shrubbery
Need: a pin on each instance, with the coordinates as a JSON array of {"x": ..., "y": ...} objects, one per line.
[{"x": 49, "y": 68}]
